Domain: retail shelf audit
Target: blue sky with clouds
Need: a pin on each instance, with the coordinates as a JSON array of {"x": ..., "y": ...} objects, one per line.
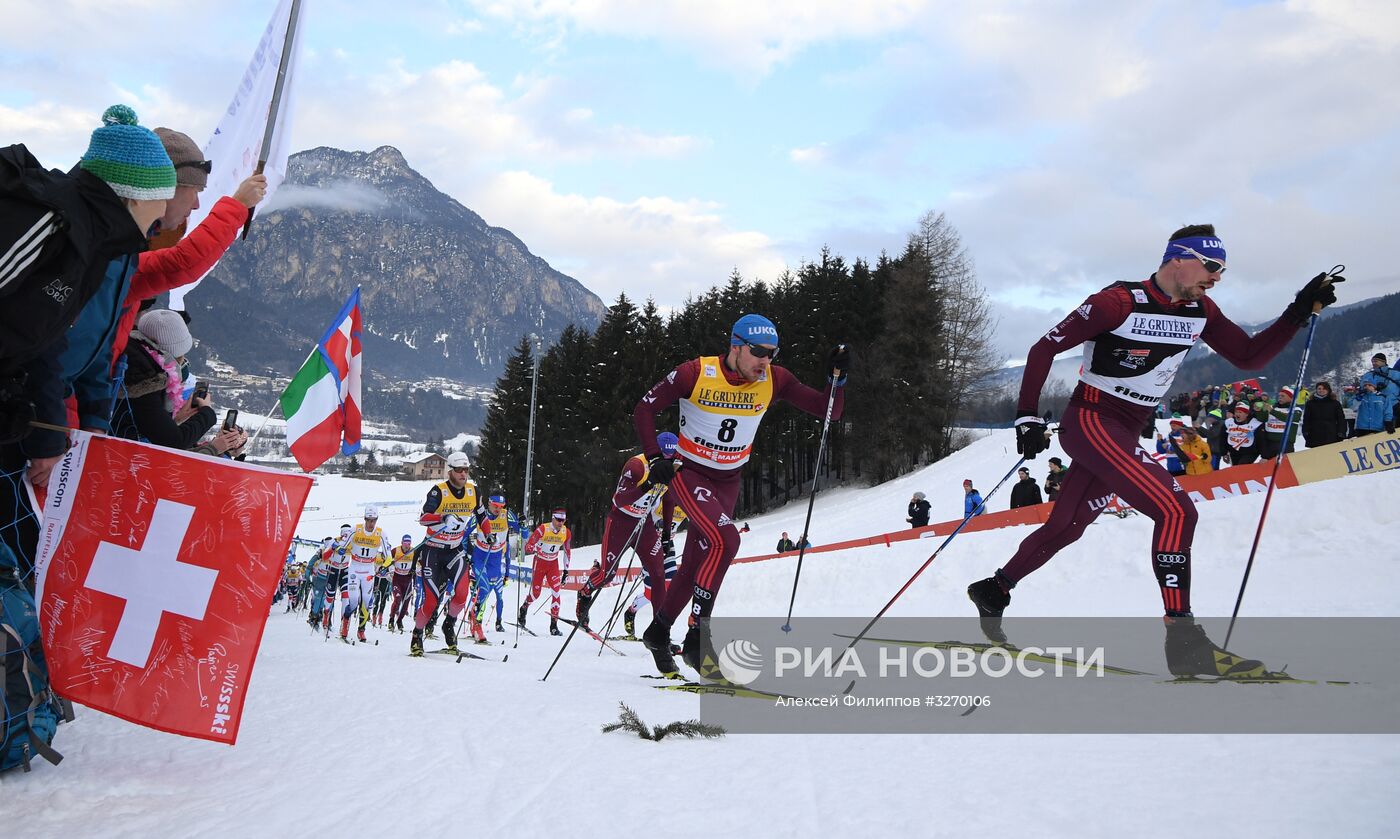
[{"x": 652, "y": 147}]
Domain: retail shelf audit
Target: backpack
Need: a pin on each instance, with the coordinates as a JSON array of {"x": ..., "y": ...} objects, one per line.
[{"x": 31, "y": 710}]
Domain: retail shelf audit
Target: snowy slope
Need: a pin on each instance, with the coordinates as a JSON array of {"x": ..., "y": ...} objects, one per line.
[{"x": 366, "y": 740}]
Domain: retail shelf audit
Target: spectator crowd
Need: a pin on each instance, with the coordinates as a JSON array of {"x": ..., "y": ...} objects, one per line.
[{"x": 84, "y": 255}]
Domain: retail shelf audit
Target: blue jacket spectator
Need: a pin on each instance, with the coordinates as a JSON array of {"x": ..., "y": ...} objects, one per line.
[
  {"x": 1387, "y": 383},
  {"x": 1169, "y": 446},
  {"x": 1371, "y": 413},
  {"x": 972, "y": 500}
]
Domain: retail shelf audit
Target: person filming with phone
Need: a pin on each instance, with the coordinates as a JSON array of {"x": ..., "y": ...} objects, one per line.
[{"x": 152, "y": 407}]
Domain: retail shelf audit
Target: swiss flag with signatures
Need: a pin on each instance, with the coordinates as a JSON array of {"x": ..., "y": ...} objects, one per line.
[{"x": 156, "y": 570}]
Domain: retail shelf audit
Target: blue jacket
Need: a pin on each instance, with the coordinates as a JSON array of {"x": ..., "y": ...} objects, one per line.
[
  {"x": 971, "y": 501},
  {"x": 1371, "y": 411},
  {"x": 1172, "y": 462},
  {"x": 1387, "y": 385},
  {"x": 87, "y": 360}
]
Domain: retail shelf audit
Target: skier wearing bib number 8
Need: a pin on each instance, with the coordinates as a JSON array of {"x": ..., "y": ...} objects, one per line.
[{"x": 722, "y": 399}]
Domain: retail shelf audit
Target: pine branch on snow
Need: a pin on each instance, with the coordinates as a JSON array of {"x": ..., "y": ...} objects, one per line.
[{"x": 629, "y": 721}]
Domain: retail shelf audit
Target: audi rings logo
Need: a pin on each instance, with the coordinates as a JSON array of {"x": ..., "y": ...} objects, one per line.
[
  {"x": 1171, "y": 559},
  {"x": 740, "y": 661}
]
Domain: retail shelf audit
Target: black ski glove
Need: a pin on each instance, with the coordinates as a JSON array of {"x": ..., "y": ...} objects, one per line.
[
  {"x": 668, "y": 548},
  {"x": 1390, "y": 426},
  {"x": 15, "y": 415},
  {"x": 838, "y": 363},
  {"x": 661, "y": 470},
  {"x": 16, "y": 409},
  {"x": 1032, "y": 436},
  {"x": 1315, "y": 296}
]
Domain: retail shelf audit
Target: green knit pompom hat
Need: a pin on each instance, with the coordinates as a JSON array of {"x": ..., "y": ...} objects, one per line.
[{"x": 131, "y": 159}]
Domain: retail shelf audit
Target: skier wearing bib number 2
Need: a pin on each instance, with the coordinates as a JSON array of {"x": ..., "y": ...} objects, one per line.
[
  {"x": 1135, "y": 336},
  {"x": 722, "y": 401}
]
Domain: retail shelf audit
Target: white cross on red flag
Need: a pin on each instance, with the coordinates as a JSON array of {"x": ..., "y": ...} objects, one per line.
[{"x": 156, "y": 570}]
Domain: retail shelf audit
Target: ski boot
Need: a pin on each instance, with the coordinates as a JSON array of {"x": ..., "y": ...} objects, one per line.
[
  {"x": 415, "y": 644},
  {"x": 1190, "y": 652},
  {"x": 991, "y": 597},
  {"x": 312, "y": 620},
  {"x": 554, "y": 626},
  {"x": 699, "y": 652},
  {"x": 500, "y": 627},
  {"x": 657, "y": 639},
  {"x": 344, "y": 629},
  {"x": 477, "y": 632},
  {"x": 629, "y": 622},
  {"x": 361, "y": 633},
  {"x": 520, "y": 615},
  {"x": 449, "y": 632},
  {"x": 585, "y": 602}
]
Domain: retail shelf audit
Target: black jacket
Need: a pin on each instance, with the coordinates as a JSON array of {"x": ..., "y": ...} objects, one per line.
[
  {"x": 1026, "y": 493},
  {"x": 918, "y": 513},
  {"x": 1323, "y": 421},
  {"x": 88, "y": 228},
  {"x": 141, "y": 412}
]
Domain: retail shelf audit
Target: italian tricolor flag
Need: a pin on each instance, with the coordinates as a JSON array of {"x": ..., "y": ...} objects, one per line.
[{"x": 322, "y": 403}]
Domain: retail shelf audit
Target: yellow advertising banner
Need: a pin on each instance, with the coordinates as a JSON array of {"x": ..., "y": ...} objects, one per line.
[{"x": 1357, "y": 456}]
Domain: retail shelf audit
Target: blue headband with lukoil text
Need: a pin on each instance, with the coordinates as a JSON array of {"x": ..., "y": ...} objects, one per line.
[{"x": 1207, "y": 246}]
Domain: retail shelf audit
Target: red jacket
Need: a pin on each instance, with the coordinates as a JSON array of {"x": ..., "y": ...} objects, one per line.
[{"x": 179, "y": 265}]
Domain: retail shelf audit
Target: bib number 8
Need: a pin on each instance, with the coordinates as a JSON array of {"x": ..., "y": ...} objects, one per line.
[{"x": 726, "y": 430}]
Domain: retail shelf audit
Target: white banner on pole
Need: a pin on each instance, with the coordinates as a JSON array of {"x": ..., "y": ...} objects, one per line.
[{"x": 237, "y": 141}]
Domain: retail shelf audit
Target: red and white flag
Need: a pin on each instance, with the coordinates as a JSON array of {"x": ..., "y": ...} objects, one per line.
[{"x": 156, "y": 570}]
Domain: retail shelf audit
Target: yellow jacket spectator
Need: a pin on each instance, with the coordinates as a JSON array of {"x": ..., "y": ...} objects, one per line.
[{"x": 1195, "y": 452}]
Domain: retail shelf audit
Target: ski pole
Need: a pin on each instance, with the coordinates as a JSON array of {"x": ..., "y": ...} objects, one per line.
[
  {"x": 636, "y": 531},
  {"x": 861, "y": 635},
  {"x": 811, "y": 502},
  {"x": 519, "y": 584},
  {"x": 636, "y": 534},
  {"x": 1278, "y": 462},
  {"x": 626, "y": 598}
]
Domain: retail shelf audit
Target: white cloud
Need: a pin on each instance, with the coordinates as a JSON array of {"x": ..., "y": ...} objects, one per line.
[
  {"x": 464, "y": 26},
  {"x": 744, "y": 36},
  {"x": 453, "y": 107},
  {"x": 650, "y": 246},
  {"x": 809, "y": 154}
]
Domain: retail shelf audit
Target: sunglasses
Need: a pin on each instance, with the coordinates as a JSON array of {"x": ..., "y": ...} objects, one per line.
[
  {"x": 759, "y": 351},
  {"x": 458, "y": 469},
  {"x": 558, "y": 518},
  {"x": 1212, "y": 266},
  {"x": 205, "y": 166}
]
